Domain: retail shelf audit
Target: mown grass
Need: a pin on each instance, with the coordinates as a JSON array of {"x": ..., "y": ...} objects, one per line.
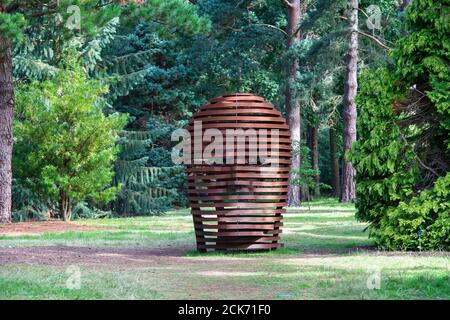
[{"x": 326, "y": 256}]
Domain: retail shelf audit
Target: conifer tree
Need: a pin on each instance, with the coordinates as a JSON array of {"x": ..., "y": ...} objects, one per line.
[{"x": 402, "y": 154}]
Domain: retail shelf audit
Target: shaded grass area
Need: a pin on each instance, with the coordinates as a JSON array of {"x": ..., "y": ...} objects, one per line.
[
  {"x": 175, "y": 227},
  {"x": 326, "y": 256},
  {"x": 327, "y": 225}
]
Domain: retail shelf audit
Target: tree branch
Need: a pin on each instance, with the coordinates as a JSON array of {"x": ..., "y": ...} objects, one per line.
[
  {"x": 238, "y": 4},
  {"x": 364, "y": 13},
  {"x": 371, "y": 37},
  {"x": 270, "y": 26},
  {"x": 375, "y": 39},
  {"x": 288, "y": 4},
  {"x": 415, "y": 154},
  {"x": 296, "y": 31},
  {"x": 252, "y": 5}
]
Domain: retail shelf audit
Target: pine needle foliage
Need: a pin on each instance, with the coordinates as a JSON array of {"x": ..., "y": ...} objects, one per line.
[{"x": 402, "y": 155}]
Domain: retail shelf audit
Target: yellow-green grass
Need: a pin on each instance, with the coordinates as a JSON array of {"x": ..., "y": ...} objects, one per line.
[{"x": 326, "y": 256}]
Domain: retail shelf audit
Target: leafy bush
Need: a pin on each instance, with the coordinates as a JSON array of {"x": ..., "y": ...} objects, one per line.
[
  {"x": 65, "y": 145},
  {"x": 402, "y": 153},
  {"x": 421, "y": 223}
]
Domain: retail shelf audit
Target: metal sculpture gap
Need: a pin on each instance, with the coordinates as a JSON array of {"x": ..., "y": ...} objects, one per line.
[{"x": 237, "y": 194}]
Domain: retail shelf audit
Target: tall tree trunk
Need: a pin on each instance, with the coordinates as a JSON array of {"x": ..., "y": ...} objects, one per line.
[
  {"x": 335, "y": 181},
  {"x": 309, "y": 138},
  {"x": 6, "y": 135},
  {"x": 312, "y": 141},
  {"x": 292, "y": 107},
  {"x": 350, "y": 112},
  {"x": 315, "y": 158}
]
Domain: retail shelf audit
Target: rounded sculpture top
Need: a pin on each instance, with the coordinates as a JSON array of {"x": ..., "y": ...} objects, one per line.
[{"x": 242, "y": 123}]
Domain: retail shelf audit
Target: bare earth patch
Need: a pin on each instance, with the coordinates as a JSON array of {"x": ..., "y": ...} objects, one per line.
[
  {"x": 165, "y": 269},
  {"x": 40, "y": 227},
  {"x": 108, "y": 257},
  {"x": 61, "y": 255}
]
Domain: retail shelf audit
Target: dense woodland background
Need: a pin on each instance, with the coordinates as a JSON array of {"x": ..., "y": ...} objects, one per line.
[{"x": 364, "y": 86}]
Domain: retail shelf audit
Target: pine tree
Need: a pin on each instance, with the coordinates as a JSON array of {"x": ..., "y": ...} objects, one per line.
[
  {"x": 321, "y": 54},
  {"x": 150, "y": 183},
  {"x": 292, "y": 103},
  {"x": 146, "y": 83},
  {"x": 349, "y": 106}
]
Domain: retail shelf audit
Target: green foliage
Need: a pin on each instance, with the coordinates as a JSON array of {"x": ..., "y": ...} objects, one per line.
[
  {"x": 27, "y": 205},
  {"x": 239, "y": 54},
  {"x": 64, "y": 143},
  {"x": 146, "y": 77},
  {"x": 402, "y": 153},
  {"x": 169, "y": 16},
  {"x": 144, "y": 73},
  {"x": 150, "y": 182},
  {"x": 47, "y": 36},
  {"x": 11, "y": 25},
  {"x": 321, "y": 53},
  {"x": 83, "y": 210},
  {"x": 421, "y": 223},
  {"x": 37, "y": 57},
  {"x": 422, "y": 56},
  {"x": 325, "y": 158},
  {"x": 306, "y": 174},
  {"x": 162, "y": 59},
  {"x": 123, "y": 46}
]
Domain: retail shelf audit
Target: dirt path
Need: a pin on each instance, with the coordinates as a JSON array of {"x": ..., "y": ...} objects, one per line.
[
  {"x": 40, "y": 227},
  {"x": 62, "y": 255},
  {"x": 113, "y": 258},
  {"x": 167, "y": 270}
]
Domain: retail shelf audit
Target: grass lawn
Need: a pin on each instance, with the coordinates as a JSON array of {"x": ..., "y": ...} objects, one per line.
[{"x": 326, "y": 256}]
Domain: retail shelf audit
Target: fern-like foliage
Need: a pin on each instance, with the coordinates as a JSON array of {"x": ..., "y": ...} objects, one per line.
[
  {"x": 148, "y": 188},
  {"x": 42, "y": 49},
  {"x": 27, "y": 205}
]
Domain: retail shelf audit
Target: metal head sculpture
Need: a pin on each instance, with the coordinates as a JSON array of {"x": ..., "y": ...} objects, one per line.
[{"x": 238, "y": 177}]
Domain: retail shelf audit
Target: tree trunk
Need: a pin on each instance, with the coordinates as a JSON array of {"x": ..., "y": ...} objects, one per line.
[
  {"x": 292, "y": 107},
  {"x": 315, "y": 159},
  {"x": 309, "y": 135},
  {"x": 6, "y": 134},
  {"x": 350, "y": 112},
  {"x": 65, "y": 207},
  {"x": 335, "y": 181},
  {"x": 313, "y": 145}
]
